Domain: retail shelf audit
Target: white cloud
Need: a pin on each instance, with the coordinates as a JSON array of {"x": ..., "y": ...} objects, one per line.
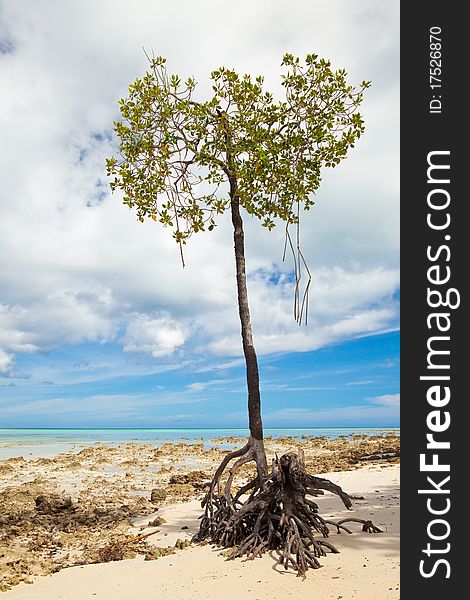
[
  {"x": 5, "y": 361},
  {"x": 221, "y": 384},
  {"x": 98, "y": 406},
  {"x": 75, "y": 266},
  {"x": 343, "y": 305},
  {"x": 381, "y": 410},
  {"x": 56, "y": 319},
  {"x": 388, "y": 400},
  {"x": 159, "y": 336}
]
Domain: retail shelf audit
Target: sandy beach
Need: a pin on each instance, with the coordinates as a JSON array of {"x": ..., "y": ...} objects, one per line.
[{"x": 67, "y": 523}]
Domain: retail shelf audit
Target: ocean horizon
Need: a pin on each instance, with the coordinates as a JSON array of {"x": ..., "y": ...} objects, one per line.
[{"x": 31, "y": 442}]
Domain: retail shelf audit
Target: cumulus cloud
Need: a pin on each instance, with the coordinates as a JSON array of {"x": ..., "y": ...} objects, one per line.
[
  {"x": 159, "y": 336},
  {"x": 343, "y": 305},
  {"x": 75, "y": 266},
  {"x": 5, "y": 361},
  {"x": 64, "y": 318}
]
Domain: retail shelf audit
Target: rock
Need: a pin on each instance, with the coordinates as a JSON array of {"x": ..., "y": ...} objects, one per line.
[
  {"x": 157, "y": 522},
  {"x": 180, "y": 478},
  {"x": 380, "y": 456},
  {"x": 226, "y": 553},
  {"x": 198, "y": 479},
  {"x": 157, "y": 495},
  {"x": 52, "y": 504},
  {"x": 185, "y": 490},
  {"x": 157, "y": 552},
  {"x": 111, "y": 552}
]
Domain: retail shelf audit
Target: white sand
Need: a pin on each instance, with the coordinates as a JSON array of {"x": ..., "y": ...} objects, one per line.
[{"x": 366, "y": 568}]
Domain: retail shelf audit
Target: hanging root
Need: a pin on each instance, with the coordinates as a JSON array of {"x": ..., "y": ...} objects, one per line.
[{"x": 273, "y": 512}]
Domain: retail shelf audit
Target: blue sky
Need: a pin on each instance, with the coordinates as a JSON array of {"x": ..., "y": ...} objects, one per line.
[
  {"x": 350, "y": 384},
  {"x": 99, "y": 323}
]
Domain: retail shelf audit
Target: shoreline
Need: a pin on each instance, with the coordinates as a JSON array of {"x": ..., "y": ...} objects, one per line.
[
  {"x": 101, "y": 494},
  {"x": 37, "y": 442}
]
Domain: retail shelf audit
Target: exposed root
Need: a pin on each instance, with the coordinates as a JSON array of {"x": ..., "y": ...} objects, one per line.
[
  {"x": 272, "y": 512},
  {"x": 367, "y": 526}
]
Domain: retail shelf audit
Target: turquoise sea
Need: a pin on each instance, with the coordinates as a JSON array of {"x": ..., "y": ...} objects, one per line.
[{"x": 31, "y": 443}]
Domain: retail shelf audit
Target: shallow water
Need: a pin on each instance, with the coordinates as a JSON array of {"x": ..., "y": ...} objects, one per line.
[{"x": 32, "y": 443}]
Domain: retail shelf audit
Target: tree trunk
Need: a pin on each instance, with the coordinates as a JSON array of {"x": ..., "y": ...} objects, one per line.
[
  {"x": 271, "y": 512},
  {"x": 252, "y": 375}
]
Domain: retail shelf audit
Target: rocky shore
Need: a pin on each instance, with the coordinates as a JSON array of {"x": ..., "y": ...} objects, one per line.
[{"x": 105, "y": 502}]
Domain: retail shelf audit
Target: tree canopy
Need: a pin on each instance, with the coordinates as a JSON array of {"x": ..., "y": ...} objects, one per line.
[{"x": 177, "y": 154}]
